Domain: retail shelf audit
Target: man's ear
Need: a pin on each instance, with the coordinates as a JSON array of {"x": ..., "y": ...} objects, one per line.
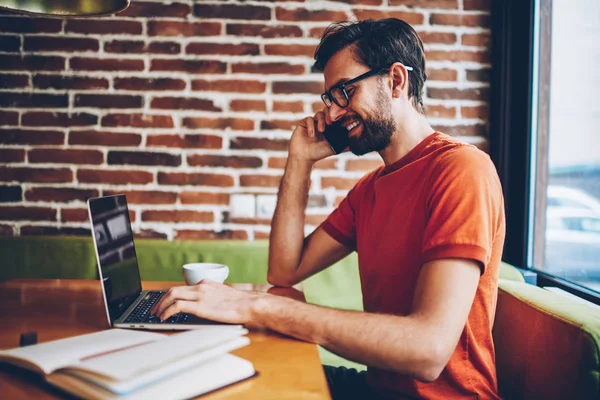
[{"x": 399, "y": 75}]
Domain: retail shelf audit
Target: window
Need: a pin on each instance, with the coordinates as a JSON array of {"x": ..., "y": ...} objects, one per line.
[{"x": 545, "y": 138}]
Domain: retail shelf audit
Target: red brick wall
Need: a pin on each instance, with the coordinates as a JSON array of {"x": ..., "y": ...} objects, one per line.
[{"x": 187, "y": 108}]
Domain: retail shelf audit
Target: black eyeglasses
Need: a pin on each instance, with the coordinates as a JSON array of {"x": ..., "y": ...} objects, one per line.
[{"x": 338, "y": 93}]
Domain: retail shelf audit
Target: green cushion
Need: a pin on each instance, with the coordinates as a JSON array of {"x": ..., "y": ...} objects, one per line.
[{"x": 547, "y": 345}]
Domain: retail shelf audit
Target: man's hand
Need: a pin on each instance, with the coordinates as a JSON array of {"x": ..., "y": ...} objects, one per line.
[
  {"x": 210, "y": 300},
  {"x": 306, "y": 143}
]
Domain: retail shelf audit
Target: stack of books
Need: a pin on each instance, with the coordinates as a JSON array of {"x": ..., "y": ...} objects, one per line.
[{"x": 129, "y": 364}]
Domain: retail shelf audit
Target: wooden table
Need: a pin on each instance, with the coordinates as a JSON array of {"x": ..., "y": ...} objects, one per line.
[{"x": 56, "y": 309}]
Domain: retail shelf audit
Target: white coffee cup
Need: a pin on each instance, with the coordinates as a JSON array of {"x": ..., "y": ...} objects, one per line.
[{"x": 195, "y": 272}]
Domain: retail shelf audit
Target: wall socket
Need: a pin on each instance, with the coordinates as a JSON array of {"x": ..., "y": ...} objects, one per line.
[
  {"x": 242, "y": 206},
  {"x": 265, "y": 205}
]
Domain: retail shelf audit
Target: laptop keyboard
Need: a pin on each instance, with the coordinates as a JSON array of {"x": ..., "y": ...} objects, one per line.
[{"x": 141, "y": 313}]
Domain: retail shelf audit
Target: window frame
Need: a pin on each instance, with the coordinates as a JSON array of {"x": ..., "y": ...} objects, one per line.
[{"x": 519, "y": 105}]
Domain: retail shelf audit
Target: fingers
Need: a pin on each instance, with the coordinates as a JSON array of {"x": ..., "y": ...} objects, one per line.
[
  {"x": 321, "y": 120},
  {"x": 176, "y": 307},
  {"x": 174, "y": 294}
]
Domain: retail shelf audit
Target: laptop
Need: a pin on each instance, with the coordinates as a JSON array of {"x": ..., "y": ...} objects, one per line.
[{"x": 127, "y": 305}]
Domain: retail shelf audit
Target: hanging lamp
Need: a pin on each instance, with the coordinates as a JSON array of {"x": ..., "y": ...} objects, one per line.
[{"x": 65, "y": 8}]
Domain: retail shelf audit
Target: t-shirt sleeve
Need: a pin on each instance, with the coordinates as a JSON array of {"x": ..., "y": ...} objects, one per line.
[
  {"x": 464, "y": 207},
  {"x": 341, "y": 223}
]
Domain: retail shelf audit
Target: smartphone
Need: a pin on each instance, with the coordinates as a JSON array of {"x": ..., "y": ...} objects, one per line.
[{"x": 337, "y": 137}]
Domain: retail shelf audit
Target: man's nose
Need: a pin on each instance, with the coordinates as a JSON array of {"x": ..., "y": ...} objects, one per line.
[{"x": 336, "y": 112}]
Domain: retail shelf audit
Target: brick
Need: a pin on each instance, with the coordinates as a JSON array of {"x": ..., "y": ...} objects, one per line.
[
  {"x": 105, "y": 64},
  {"x": 150, "y": 234},
  {"x": 139, "y": 9},
  {"x": 481, "y": 94},
  {"x": 149, "y": 84},
  {"x": 195, "y": 179},
  {"x": 277, "y": 162},
  {"x": 476, "y": 112},
  {"x": 188, "y": 65},
  {"x": 449, "y": 4},
  {"x": 462, "y": 130},
  {"x": 265, "y": 31},
  {"x": 21, "y": 213},
  {"x": 59, "y": 194},
  {"x": 60, "y": 43},
  {"x": 74, "y": 215},
  {"x": 293, "y": 87},
  {"x": 30, "y": 230},
  {"x": 361, "y": 2},
  {"x": 476, "y": 39},
  {"x": 317, "y": 32},
  {"x": 30, "y": 137},
  {"x": 11, "y": 194},
  {"x": 268, "y": 68},
  {"x": 438, "y": 37},
  {"x": 248, "y": 105},
  {"x": 26, "y": 24},
  {"x": 58, "y": 119},
  {"x": 231, "y": 11},
  {"x": 286, "y": 125},
  {"x": 54, "y": 175},
  {"x": 104, "y": 27},
  {"x": 228, "y": 234},
  {"x": 32, "y": 63},
  {"x": 288, "y": 106},
  {"x": 34, "y": 100},
  {"x": 60, "y": 156},
  {"x": 108, "y": 101},
  {"x": 477, "y": 5},
  {"x": 231, "y": 86},
  {"x": 183, "y": 103},
  {"x": 327, "y": 163},
  {"x": 290, "y": 50},
  {"x": 437, "y": 111},
  {"x": 482, "y": 57},
  {"x": 10, "y": 43},
  {"x": 138, "y": 120},
  {"x": 143, "y": 158},
  {"x": 412, "y": 18},
  {"x": 260, "y": 180},
  {"x": 141, "y": 47},
  {"x": 145, "y": 196},
  {"x": 185, "y": 141},
  {"x": 97, "y": 138},
  {"x": 236, "y": 124},
  {"x": 303, "y": 14},
  {"x": 113, "y": 176},
  {"x": 204, "y": 160},
  {"x": 177, "y": 216},
  {"x": 315, "y": 219},
  {"x": 337, "y": 183},
  {"x": 261, "y": 235},
  {"x": 247, "y": 221},
  {"x": 318, "y": 106},
  {"x": 183, "y": 28},
  {"x": 9, "y": 118},
  {"x": 250, "y": 143},
  {"x": 12, "y": 81},
  {"x": 363, "y": 164},
  {"x": 445, "y": 74},
  {"x": 69, "y": 82},
  {"x": 479, "y": 75},
  {"x": 204, "y": 198},
  {"x": 240, "y": 49},
  {"x": 12, "y": 156},
  {"x": 473, "y": 20},
  {"x": 7, "y": 230}
]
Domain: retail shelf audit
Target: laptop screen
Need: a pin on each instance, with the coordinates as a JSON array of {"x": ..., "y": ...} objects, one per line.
[{"x": 113, "y": 238}]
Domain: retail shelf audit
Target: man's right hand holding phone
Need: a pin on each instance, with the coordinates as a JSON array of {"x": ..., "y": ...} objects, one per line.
[{"x": 307, "y": 143}]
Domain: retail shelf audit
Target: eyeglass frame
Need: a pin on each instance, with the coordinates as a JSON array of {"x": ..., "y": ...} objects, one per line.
[{"x": 328, "y": 99}]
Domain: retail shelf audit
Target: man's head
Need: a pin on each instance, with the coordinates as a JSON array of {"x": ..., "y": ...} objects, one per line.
[{"x": 387, "y": 58}]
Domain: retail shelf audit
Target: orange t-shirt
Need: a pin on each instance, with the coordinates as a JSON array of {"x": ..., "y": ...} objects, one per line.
[{"x": 441, "y": 200}]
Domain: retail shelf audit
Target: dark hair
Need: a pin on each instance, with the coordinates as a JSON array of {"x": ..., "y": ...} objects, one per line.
[{"x": 378, "y": 44}]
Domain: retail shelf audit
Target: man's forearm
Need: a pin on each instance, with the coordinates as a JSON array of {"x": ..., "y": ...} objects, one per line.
[
  {"x": 287, "y": 228},
  {"x": 395, "y": 343}
]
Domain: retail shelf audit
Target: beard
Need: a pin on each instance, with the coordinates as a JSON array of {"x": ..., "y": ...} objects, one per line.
[{"x": 377, "y": 132}]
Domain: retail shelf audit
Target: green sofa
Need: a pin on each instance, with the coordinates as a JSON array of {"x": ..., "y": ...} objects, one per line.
[{"x": 547, "y": 345}]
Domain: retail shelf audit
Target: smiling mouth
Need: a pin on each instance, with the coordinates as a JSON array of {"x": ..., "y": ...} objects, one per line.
[{"x": 352, "y": 126}]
